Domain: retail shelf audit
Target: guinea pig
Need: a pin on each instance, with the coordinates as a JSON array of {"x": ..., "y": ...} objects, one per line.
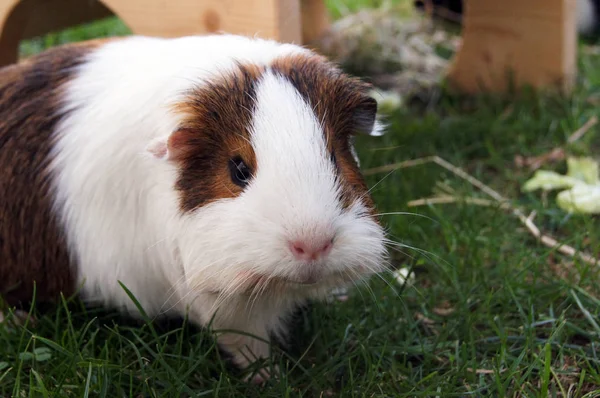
[{"x": 213, "y": 176}]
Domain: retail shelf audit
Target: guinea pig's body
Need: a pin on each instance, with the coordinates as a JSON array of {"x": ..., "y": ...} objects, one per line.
[{"x": 212, "y": 176}]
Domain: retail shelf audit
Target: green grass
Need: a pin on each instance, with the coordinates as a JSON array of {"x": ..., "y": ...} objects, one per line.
[
  {"x": 491, "y": 312},
  {"x": 339, "y": 8}
]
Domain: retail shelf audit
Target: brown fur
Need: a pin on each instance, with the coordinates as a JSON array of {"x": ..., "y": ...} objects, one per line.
[
  {"x": 342, "y": 103},
  {"x": 32, "y": 245},
  {"x": 219, "y": 116},
  {"x": 216, "y": 129}
]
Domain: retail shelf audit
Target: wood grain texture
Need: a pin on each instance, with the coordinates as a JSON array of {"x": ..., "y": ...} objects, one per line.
[
  {"x": 315, "y": 20},
  {"x": 185, "y": 17},
  {"x": 13, "y": 18},
  {"x": 30, "y": 18},
  {"x": 518, "y": 42},
  {"x": 294, "y": 21},
  {"x": 51, "y": 15}
]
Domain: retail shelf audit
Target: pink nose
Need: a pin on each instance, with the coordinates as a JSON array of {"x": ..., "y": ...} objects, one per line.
[{"x": 307, "y": 251}]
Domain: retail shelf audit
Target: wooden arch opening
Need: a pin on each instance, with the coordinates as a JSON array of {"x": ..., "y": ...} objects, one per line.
[{"x": 297, "y": 21}]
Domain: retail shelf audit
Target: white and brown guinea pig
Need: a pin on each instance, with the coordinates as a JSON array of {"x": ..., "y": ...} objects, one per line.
[{"x": 210, "y": 174}]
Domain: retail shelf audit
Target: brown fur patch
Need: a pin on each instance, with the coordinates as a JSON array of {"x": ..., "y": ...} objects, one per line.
[
  {"x": 218, "y": 116},
  {"x": 216, "y": 129},
  {"x": 342, "y": 103},
  {"x": 32, "y": 245}
]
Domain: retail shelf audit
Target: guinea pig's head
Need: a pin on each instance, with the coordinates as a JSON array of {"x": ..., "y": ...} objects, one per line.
[{"x": 270, "y": 192}]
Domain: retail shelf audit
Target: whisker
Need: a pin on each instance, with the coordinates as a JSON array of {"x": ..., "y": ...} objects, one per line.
[
  {"x": 256, "y": 291},
  {"x": 400, "y": 244},
  {"x": 156, "y": 243},
  {"x": 180, "y": 281},
  {"x": 378, "y": 275},
  {"x": 405, "y": 213},
  {"x": 358, "y": 278},
  {"x": 185, "y": 296},
  {"x": 353, "y": 278},
  {"x": 397, "y": 250},
  {"x": 427, "y": 254}
]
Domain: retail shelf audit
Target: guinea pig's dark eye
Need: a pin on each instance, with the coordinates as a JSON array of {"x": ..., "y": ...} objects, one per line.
[{"x": 240, "y": 173}]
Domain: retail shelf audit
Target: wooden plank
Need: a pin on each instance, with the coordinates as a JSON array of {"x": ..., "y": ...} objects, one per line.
[
  {"x": 281, "y": 20},
  {"x": 30, "y": 18},
  {"x": 51, "y": 15},
  {"x": 13, "y": 17},
  {"x": 526, "y": 42},
  {"x": 186, "y": 17},
  {"x": 289, "y": 21},
  {"x": 315, "y": 20}
]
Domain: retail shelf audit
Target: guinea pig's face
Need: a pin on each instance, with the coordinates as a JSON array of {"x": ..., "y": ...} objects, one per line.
[{"x": 270, "y": 192}]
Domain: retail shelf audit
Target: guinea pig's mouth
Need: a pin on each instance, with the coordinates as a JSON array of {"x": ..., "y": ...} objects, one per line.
[
  {"x": 312, "y": 279},
  {"x": 309, "y": 275},
  {"x": 308, "y": 278}
]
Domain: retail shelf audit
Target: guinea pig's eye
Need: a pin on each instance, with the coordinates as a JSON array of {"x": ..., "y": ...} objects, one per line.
[{"x": 240, "y": 173}]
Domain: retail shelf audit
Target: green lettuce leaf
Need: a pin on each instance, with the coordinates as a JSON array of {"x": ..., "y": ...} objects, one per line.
[
  {"x": 581, "y": 185},
  {"x": 580, "y": 199},
  {"x": 549, "y": 180},
  {"x": 584, "y": 169}
]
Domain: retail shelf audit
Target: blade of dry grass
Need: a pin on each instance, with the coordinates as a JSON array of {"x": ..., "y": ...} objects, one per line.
[{"x": 498, "y": 200}]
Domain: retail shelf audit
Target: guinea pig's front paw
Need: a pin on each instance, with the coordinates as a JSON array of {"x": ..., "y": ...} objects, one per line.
[
  {"x": 246, "y": 350},
  {"x": 263, "y": 374},
  {"x": 338, "y": 294},
  {"x": 18, "y": 318}
]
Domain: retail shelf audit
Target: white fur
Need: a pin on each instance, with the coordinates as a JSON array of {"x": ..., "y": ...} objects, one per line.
[
  {"x": 114, "y": 191},
  {"x": 586, "y": 17}
]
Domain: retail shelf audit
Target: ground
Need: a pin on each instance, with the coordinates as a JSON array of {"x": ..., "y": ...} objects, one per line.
[{"x": 491, "y": 311}]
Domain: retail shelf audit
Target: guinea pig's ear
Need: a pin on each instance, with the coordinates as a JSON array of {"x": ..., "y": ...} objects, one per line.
[
  {"x": 170, "y": 147},
  {"x": 365, "y": 117}
]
